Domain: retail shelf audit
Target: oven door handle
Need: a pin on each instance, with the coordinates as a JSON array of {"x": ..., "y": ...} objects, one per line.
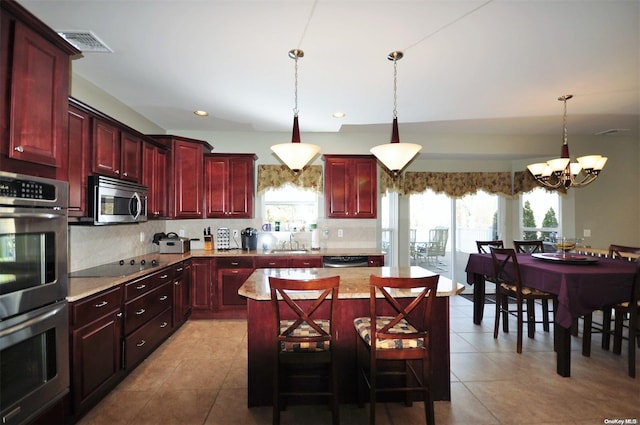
[
  {"x": 15, "y": 213},
  {"x": 31, "y": 321}
]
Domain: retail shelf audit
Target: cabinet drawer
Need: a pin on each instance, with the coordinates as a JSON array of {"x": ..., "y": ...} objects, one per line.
[
  {"x": 96, "y": 306},
  {"x": 140, "y": 310},
  {"x": 145, "y": 284},
  {"x": 271, "y": 262},
  {"x": 142, "y": 342},
  {"x": 235, "y": 263},
  {"x": 306, "y": 262},
  {"x": 177, "y": 270}
]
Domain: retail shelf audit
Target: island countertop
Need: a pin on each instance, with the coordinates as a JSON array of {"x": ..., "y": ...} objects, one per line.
[{"x": 354, "y": 281}]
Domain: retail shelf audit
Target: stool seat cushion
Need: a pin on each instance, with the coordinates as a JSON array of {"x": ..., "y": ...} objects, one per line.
[
  {"x": 363, "y": 327},
  {"x": 304, "y": 330}
]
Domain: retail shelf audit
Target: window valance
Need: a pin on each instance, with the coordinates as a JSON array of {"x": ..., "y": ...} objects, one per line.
[
  {"x": 455, "y": 185},
  {"x": 275, "y": 176}
]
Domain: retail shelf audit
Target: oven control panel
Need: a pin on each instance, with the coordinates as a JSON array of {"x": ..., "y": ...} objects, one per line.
[{"x": 26, "y": 189}]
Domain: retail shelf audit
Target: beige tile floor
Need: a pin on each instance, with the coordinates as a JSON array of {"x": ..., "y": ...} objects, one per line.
[{"x": 199, "y": 377}]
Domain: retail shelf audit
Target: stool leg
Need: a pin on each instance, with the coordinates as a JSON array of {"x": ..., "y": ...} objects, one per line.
[
  {"x": 586, "y": 335},
  {"x": 545, "y": 315},
  {"x": 606, "y": 328}
]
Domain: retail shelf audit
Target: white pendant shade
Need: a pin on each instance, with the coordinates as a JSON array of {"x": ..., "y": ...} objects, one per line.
[
  {"x": 395, "y": 156},
  {"x": 295, "y": 155}
]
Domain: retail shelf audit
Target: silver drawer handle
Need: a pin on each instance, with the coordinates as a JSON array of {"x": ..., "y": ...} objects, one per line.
[
  {"x": 139, "y": 287},
  {"x": 100, "y": 305},
  {"x": 176, "y": 283},
  {"x": 125, "y": 174},
  {"x": 234, "y": 264},
  {"x": 179, "y": 269},
  {"x": 164, "y": 297},
  {"x": 18, "y": 149},
  {"x": 163, "y": 324},
  {"x": 141, "y": 311},
  {"x": 164, "y": 276},
  {"x": 141, "y": 343}
]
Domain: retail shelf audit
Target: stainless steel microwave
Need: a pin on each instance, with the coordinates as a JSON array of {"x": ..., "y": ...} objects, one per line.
[{"x": 113, "y": 201}]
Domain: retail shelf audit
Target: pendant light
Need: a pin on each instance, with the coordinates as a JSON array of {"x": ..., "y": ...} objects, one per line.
[
  {"x": 395, "y": 155},
  {"x": 295, "y": 154},
  {"x": 561, "y": 172}
]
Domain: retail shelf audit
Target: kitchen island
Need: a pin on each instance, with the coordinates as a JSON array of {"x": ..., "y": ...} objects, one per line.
[{"x": 354, "y": 302}]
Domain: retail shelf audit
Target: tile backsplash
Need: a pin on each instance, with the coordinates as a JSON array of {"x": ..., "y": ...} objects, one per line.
[{"x": 94, "y": 245}]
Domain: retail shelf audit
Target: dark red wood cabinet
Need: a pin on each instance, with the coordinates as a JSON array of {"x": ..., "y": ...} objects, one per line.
[
  {"x": 116, "y": 153},
  {"x": 79, "y": 160},
  {"x": 181, "y": 293},
  {"x": 350, "y": 186},
  {"x": 186, "y": 182},
  {"x": 154, "y": 176},
  {"x": 96, "y": 347},
  {"x": 202, "y": 280},
  {"x": 229, "y": 185},
  {"x": 34, "y": 87},
  {"x": 232, "y": 272}
]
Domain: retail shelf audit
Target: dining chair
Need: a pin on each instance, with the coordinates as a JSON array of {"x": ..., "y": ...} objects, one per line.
[
  {"x": 531, "y": 247},
  {"x": 398, "y": 329},
  {"x": 305, "y": 338},
  {"x": 528, "y": 247},
  {"x": 436, "y": 246},
  {"x": 630, "y": 311},
  {"x": 509, "y": 285},
  {"x": 619, "y": 252},
  {"x": 483, "y": 246}
]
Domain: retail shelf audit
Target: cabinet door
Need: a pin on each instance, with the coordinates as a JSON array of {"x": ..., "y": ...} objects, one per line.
[
  {"x": 106, "y": 149},
  {"x": 182, "y": 294},
  {"x": 201, "y": 284},
  {"x": 39, "y": 93},
  {"x": 240, "y": 194},
  {"x": 364, "y": 190},
  {"x": 96, "y": 360},
  {"x": 78, "y": 165},
  {"x": 306, "y": 262},
  {"x": 216, "y": 186},
  {"x": 154, "y": 176},
  {"x": 229, "y": 281},
  {"x": 130, "y": 157},
  {"x": 337, "y": 188},
  {"x": 188, "y": 180}
]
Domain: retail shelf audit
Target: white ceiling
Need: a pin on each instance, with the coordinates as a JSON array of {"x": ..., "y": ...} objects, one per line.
[{"x": 477, "y": 67}]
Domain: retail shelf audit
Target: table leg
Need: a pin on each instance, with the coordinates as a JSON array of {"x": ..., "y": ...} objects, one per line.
[
  {"x": 478, "y": 298},
  {"x": 562, "y": 337}
]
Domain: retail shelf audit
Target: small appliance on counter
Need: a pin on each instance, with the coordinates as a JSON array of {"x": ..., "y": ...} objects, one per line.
[
  {"x": 171, "y": 243},
  {"x": 249, "y": 239}
]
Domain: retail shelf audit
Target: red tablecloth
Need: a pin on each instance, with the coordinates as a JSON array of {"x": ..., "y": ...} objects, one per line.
[{"x": 580, "y": 288}]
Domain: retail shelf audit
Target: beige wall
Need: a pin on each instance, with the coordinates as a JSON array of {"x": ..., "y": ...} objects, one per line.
[{"x": 610, "y": 207}]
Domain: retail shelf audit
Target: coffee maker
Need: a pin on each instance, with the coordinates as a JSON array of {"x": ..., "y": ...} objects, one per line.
[{"x": 249, "y": 239}]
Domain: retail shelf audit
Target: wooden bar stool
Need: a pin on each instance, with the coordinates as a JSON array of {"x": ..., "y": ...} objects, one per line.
[
  {"x": 305, "y": 341},
  {"x": 400, "y": 337}
]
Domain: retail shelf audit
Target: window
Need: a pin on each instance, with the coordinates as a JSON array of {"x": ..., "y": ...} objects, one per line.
[
  {"x": 293, "y": 207},
  {"x": 539, "y": 215}
]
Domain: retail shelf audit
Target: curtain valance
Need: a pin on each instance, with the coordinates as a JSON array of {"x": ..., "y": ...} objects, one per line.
[{"x": 275, "y": 176}]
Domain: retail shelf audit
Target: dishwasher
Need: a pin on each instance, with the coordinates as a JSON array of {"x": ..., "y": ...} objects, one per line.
[{"x": 341, "y": 261}]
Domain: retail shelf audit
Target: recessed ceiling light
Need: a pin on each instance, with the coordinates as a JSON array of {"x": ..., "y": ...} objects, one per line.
[
  {"x": 339, "y": 115},
  {"x": 201, "y": 113}
]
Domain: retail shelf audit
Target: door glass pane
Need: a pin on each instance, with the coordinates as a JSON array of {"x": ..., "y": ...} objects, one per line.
[
  {"x": 540, "y": 215},
  {"x": 430, "y": 231}
]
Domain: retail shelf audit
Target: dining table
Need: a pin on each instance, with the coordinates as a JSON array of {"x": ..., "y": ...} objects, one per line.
[{"x": 582, "y": 284}]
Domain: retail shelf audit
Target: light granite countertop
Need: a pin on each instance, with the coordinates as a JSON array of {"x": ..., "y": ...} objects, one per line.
[
  {"x": 354, "y": 281},
  {"x": 82, "y": 287}
]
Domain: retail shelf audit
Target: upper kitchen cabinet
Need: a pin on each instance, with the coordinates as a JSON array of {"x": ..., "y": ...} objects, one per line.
[
  {"x": 34, "y": 86},
  {"x": 350, "y": 186},
  {"x": 186, "y": 185},
  {"x": 116, "y": 153},
  {"x": 154, "y": 175},
  {"x": 80, "y": 158},
  {"x": 229, "y": 185}
]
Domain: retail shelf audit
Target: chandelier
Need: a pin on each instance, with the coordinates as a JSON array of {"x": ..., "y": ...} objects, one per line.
[
  {"x": 295, "y": 154},
  {"x": 395, "y": 155},
  {"x": 561, "y": 172}
]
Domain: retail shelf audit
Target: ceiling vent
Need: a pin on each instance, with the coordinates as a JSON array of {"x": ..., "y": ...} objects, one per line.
[{"x": 85, "y": 41}]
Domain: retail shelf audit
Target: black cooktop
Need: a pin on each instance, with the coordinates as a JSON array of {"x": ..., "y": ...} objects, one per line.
[{"x": 117, "y": 269}]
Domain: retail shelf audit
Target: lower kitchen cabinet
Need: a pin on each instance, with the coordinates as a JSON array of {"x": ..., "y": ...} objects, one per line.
[
  {"x": 96, "y": 348},
  {"x": 181, "y": 293},
  {"x": 202, "y": 287},
  {"x": 232, "y": 272},
  {"x": 142, "y": 342}
]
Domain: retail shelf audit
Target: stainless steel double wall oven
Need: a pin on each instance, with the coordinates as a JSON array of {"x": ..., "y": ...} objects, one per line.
[{"x": 34, "y": 340}]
